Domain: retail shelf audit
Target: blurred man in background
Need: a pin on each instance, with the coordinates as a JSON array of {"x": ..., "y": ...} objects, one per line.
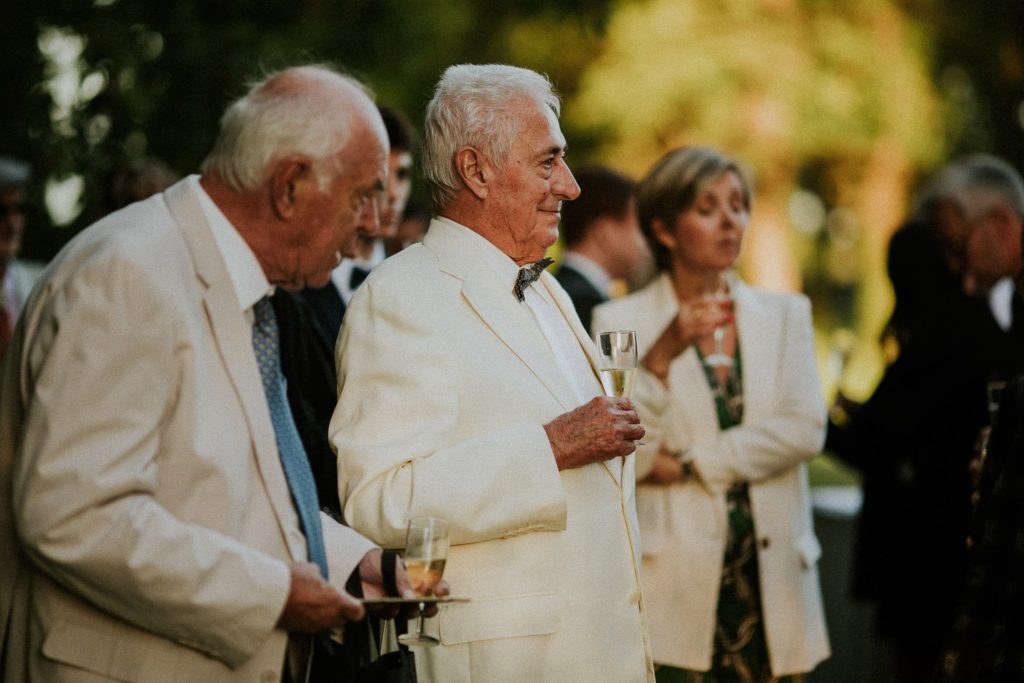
[
  {"x": 328, "y": 303},
  {"x": 987, "y": 643},
  {"x": 602, "y": 239},
  {"x": 16, "y": 277}
]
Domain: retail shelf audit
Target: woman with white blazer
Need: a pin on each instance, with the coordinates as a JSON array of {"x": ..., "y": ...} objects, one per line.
[{"x": 729, "y": 553}]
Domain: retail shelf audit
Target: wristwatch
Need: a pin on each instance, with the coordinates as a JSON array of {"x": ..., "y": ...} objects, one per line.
[{"x": 685, "y": 464}]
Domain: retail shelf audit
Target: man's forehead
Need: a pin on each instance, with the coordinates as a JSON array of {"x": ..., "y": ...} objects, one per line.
[{"x": 546, "y": 135}]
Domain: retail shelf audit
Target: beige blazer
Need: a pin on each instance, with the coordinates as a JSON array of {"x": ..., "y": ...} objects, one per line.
[
  {"x": 683, "y": 526},
  {"x": 143, "y": 527},
  {"x": 445, "y": 385}
]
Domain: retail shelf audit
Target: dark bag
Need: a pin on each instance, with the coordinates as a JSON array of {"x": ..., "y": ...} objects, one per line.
[
  {"x": 368, "y": 665},
  {"x": 360, "y": 658}
]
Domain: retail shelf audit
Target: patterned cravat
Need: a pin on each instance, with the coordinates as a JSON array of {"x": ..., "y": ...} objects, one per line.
[
  {"x": 289, "y": 445},
  {"x": 528, "y": 275}
]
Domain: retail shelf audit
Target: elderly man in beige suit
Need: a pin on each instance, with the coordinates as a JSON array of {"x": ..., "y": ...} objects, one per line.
[
  {"x": 155, "y": 524},
  {"x": 485, "y": 407}
]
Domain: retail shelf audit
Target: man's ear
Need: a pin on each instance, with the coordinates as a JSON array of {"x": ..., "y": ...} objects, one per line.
[
  {"x": 291, "y": 179},
  {"x": 474, "y": 170}
]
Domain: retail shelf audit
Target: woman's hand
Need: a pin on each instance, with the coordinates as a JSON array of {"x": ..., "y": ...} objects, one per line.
[
  {"x": 697, "y": 319},
  {"x": 665, "y": 470}
]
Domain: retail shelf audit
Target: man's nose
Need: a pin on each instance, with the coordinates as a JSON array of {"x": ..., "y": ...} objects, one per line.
[
  {"x": 565, "y": 185},
  {"x": 369, "y": 220}
]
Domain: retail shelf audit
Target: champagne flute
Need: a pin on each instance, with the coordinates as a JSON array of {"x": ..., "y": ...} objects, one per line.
[
  {"x": 619, "y": 360},
  {"x": 426, "y": 549},
  {"x": 717, "y": 292}
]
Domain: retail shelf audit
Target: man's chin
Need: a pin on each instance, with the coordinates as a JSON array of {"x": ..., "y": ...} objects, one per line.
[{"x": 317, "y": 281}]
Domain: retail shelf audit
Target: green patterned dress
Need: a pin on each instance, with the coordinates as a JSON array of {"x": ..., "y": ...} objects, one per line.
[{"x": 740, "y": 652}]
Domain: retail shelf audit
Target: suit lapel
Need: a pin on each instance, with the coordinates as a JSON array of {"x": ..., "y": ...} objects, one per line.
[
  {"x": 758, "y": 333},
  {"x": 234, "y": 342},
  {"x": 510, "y": 320}
]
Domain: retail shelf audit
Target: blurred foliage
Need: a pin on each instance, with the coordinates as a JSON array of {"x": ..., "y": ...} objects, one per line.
[{"x": 840, "y": 108}]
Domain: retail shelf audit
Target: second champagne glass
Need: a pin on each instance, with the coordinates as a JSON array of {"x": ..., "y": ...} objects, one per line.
[
  {"x": 426, "y": 550},
  {"x": 717, "y": 291},
  {"x": 619, "y": 360}
]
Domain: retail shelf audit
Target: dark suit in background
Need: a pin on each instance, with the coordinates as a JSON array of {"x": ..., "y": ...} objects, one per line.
[
  {"x": 307, "y": 362},
  {"x": 583, "y": 293},
  {"x": 987, "y": 643},
  {"x": 913, "y": 441},
  {"x": 327, "y": 309}
]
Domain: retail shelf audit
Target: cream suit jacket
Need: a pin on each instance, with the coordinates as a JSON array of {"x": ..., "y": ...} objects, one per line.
[
  {"x": 143, "y": 524},
  {"x": 683, "y": 526},
  {"x": 445, "y": 383}
]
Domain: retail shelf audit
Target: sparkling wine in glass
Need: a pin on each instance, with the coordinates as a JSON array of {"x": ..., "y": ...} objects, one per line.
[
  {"x": 426, "y": 549},
  {"x": 619, "y": 360},
  {"x": 717, "y": 291}
]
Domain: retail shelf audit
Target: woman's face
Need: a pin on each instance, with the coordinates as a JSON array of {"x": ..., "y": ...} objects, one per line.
[{"x": 707, "y": 236}]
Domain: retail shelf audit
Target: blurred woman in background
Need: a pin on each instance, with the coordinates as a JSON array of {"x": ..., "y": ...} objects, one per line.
[{"x": 730, "y": 396}]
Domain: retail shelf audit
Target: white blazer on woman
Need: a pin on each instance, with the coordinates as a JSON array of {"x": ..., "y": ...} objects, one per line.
[{"x": 683, "y": 526}]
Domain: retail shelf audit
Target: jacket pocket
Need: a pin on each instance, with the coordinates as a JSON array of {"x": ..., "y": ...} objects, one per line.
[{"x": 513, "y": 616}]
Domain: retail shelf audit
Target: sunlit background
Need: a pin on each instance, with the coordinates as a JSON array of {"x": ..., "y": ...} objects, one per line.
[{"x": 841, "y": 108}]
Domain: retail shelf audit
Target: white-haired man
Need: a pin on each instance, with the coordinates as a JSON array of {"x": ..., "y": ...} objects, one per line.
[
  {"x": 486, "y": 407},
  {"x": 158, "y": 520}
]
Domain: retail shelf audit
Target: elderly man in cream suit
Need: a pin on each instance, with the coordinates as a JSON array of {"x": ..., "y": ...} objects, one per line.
[
  {"x": 485, "y": 407},
  {"x": 149, "y": 529}
]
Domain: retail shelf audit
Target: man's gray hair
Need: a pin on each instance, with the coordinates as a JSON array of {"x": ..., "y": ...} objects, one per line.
[
  {"x": 475, "y": 105},
  {"x": 980, "y": 182},
  {"x": 281, "y": 115}
]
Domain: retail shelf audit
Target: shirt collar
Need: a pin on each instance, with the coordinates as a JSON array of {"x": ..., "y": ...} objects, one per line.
[
  {"x": 247, "y": 276},
  {"x": 588, "y": 268},
  {"x": 499, "y": 261}
]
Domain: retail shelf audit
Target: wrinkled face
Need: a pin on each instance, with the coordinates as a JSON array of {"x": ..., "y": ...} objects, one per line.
[
  {"x": 399, "y": 187},
  {"x": 708, "y": 235},
  {"x": 12, "y": 223},
  {"x": 328, "y": 222},
  {"x": 526, "y": 193},
  {"x": 993, "y": 247}
]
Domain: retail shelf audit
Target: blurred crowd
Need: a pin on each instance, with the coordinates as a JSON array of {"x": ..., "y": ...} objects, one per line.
[{"x": 223, "y": 403}]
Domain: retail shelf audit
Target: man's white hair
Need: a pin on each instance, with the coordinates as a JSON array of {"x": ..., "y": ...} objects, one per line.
[
  {"x": 476, "y": 105},
  {"x": 983, "y": 182},
  {"x": 281, "y": 115}
]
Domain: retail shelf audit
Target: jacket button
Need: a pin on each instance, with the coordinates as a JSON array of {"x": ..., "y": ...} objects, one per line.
[
  {"x": 634, "y": 597},
  {"x": 765, "y": 542},
  {"x": 269, "y": 677}
]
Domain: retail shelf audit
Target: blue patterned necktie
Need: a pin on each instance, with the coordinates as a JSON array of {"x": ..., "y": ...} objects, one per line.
[{"x": 293, "y": 455}]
